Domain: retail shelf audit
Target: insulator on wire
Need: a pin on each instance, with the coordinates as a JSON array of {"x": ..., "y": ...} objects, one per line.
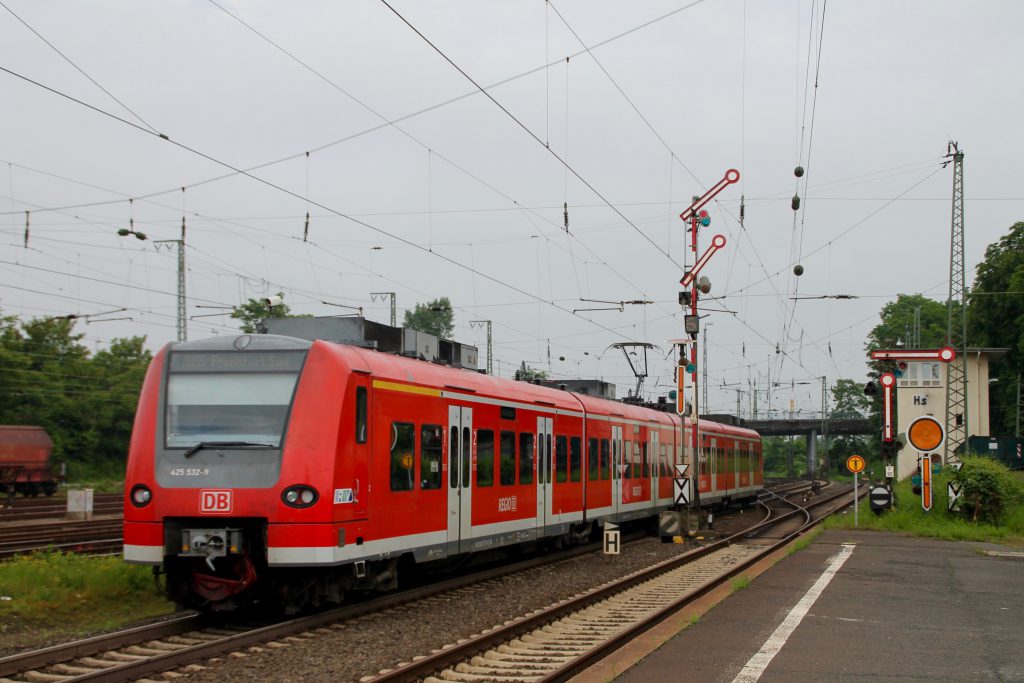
[
  {"x": 305, "y": 231},
  {"x": 798, "y": 171},
  {"x": 26, "y": 229},
  {"x": 565, "y": 215},
  {"x": 798, "y": 270},
  {"x": 796, "y": 202},
  {"x": 743, "y": 208}
]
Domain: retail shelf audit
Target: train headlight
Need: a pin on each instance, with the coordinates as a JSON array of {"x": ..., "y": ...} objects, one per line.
[
  {"x": 140, "y": 496},
  {"x": 300, "y": 496}
]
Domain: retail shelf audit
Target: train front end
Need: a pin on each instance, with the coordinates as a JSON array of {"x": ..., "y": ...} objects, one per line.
[{"x": 219, "y": 463}]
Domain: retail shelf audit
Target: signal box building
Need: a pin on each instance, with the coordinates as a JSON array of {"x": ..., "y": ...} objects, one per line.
[{"x": 922, "y": 391}]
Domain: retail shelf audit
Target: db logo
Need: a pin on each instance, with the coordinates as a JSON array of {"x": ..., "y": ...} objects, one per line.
[{"x": 218, "y": 502}]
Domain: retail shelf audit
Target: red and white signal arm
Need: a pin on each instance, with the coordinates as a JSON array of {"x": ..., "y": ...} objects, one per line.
[
  {"x": 680, "y": 386},
  {"x": 946, "y": 354},
  {"x": 888, "y": 381}
]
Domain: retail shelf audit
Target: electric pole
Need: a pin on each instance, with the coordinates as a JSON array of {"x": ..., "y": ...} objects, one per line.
[
  {"x": 382, "y": 295},
  {"x": 704, "y": 359},
  {"x": 956, "y": 321},
  {"x": 182, "y": 319},
  {"x": 490, "y": 357}
]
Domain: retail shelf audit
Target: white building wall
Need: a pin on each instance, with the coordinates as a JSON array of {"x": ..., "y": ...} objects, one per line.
[{"x": 922, "y": 391}]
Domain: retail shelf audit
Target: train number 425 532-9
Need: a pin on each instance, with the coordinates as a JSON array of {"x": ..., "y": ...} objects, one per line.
[{"x": 190, "y": 471}]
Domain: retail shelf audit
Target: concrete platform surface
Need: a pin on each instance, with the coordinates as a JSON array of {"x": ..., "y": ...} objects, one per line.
[{"x": 895, "y": 609}]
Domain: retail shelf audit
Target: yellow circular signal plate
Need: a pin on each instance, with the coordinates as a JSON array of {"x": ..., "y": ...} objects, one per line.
[
  {"x": 855, "y": 464},
  {"x": 407, "y": 461},
  {"x": 925, "y": 433}
]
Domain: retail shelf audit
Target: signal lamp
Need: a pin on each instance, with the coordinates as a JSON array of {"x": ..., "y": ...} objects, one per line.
[
  {"x": 140, "y": 496},
  {"x": 690, "y": 367},
  {"x": 300, "y": 496},
  {"x": 672, "y": 395},
  {"x": 870, "y": 389}
]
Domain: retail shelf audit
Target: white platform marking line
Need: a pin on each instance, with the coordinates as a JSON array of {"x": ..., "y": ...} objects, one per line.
[{"x": 757, "y": 664}]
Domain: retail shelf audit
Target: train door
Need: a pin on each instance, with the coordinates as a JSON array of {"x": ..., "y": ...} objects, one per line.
[
  {"x": 617, "y": 464},
  {"x": 544, "y": 473},
  {"x": 712, "y": 461},
  {"x": 736, "y": 464},
  {"x": 655, "y": 462},
  {"x": 460, "y": 476},
  {"x": 751, "y": 462}
]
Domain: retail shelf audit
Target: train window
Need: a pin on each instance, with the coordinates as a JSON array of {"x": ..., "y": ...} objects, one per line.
[
  {"x": 561, "y": 459},
  {"x": 592, "y": 463},
  {"x": 484, "y": 457},
  {"x": 575, "y": 458},
  {"x": 525, "y": 458},
  {"x": 508, "y": 413},
  {"x": 360, "y": 414},
  {"x": 644, "y": 461},
  {"x": 604, "y": 459},
  {"x": 467, "y": 456},
  {"x": 430, "y": 456},
  {"x": 507, "y": 458},
  {"x": 627, "y": 460},
  {"x": 453, "y": 450},
  {"x": 663, "y": 468},
  {"x": 403, "y": 440}
]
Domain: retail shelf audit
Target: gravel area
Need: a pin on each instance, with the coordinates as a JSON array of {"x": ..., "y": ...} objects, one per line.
[{"x": 364, "y": 646}]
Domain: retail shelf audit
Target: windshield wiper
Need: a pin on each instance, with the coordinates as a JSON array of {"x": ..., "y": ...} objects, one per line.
[{"x": 226, "y": 444}]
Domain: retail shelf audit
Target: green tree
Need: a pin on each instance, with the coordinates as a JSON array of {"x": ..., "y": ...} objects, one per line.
[
  {"x": 996, "y": 319},
  {"x": 528, "y": 374},
  {"x": 898, "y": 323},
  {"x": 850, "y": 401},
  {"x": 434, "y": 317},
  {"x": 254, "y": 310},
  {"x": 87, "y": 405}
]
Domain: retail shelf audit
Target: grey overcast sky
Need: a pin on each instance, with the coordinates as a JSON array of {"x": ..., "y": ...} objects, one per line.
[{"x": 417, "y": 183}]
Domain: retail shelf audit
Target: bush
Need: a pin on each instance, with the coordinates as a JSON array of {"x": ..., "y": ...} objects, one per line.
[{"x": 987, "y": 489}]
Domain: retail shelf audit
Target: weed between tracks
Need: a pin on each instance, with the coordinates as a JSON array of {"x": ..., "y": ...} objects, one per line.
[{"x": 52, "y": 595}]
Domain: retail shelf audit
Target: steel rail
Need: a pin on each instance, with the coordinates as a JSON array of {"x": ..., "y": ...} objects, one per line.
[
  {"x": 451, "y": 656},
  {"x": 126, "y": 671}
]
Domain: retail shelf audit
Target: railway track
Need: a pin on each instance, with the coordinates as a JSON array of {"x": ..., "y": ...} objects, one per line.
[
  {"x": 554, "y": 644},
  {"x": 182, "y": 641},
  {"x": 547, "y": 644},
  {"x": 97, "y": 536},
  {"x": 45, "y": 508}
]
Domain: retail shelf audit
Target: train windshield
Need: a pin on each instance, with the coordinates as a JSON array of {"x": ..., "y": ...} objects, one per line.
[{"x": 230, "y": 397}]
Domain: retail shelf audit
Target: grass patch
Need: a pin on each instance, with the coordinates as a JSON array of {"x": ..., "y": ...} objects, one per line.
[
  {"x": 804, "y": 541},
  {"x": 907, "y": 516},
  {"x": 740, "y": 582},
  {"x": 51, "y": 595}
]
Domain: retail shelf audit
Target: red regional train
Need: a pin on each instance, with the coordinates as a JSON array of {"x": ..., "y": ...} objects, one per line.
[{"x": 269, "y": 469}]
